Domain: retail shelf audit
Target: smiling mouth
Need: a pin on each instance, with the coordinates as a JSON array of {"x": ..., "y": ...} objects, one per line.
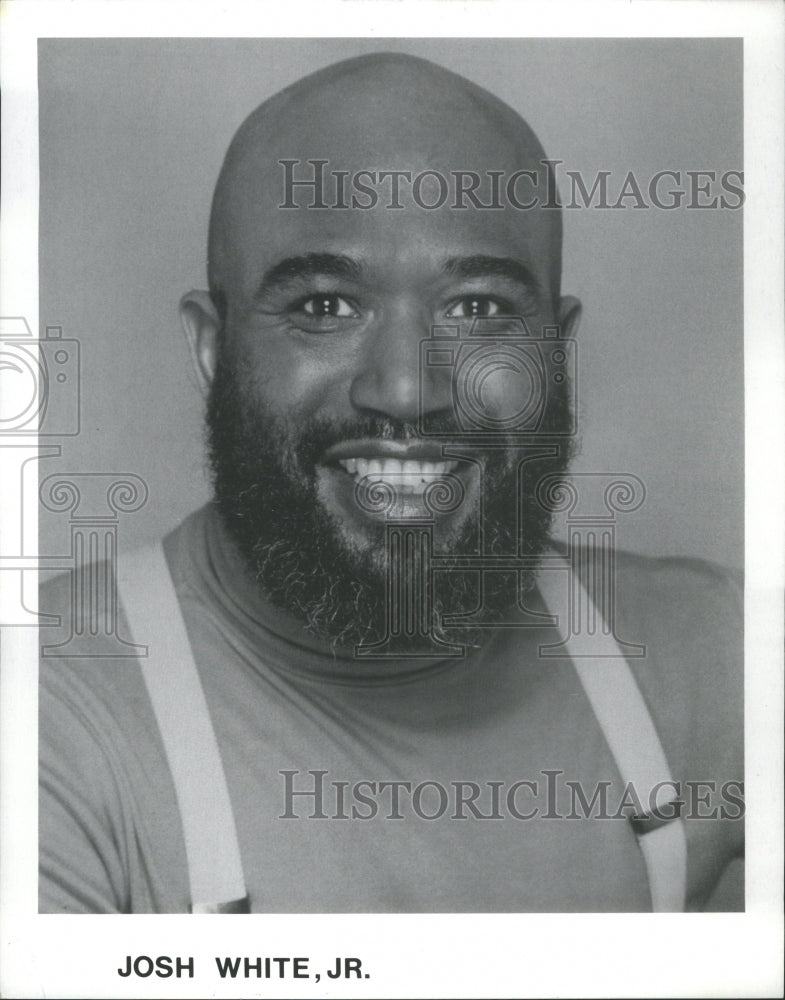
[{"x": 406, "y": 476}]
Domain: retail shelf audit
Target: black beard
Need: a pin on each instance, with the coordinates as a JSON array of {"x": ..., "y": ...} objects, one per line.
[{"x": 264, "y": 478}]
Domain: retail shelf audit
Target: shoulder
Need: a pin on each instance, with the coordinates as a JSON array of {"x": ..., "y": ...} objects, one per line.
[
  {"x": 105, "y": 789},
  {"x": 683, "y": 616},
  {"x": 93, "y": 703},
  {"x": 686, "y": 616},
  {"x": 684, "y": 589},
  {"x": 90, "y": 663}
]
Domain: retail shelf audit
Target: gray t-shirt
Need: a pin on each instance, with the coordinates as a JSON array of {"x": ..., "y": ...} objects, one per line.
[{"x": 440, "y": 786}]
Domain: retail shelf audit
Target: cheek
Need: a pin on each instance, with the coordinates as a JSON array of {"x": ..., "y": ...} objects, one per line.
[{"x": 288, "y": 376}]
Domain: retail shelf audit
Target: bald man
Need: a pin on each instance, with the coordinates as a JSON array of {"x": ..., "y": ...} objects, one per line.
[{"x": 287, "y": 745}]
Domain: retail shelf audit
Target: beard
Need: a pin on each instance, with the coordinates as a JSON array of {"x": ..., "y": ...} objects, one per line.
[{"x": 264, "y": 470}]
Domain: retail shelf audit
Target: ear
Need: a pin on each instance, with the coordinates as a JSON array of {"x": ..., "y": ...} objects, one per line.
[
  {"x": 201, "y": 324},
  {"x": 569, "y": 317}
]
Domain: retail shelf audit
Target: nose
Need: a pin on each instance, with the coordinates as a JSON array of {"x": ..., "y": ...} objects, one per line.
[{"x": 391, "y": 379}]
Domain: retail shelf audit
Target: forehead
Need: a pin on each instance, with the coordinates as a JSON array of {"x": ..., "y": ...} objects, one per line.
[
  {"x": 380, "y": 173},
  {"x": 398, "y": 237}
]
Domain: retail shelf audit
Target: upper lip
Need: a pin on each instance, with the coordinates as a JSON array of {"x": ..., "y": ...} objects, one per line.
[{"x": 418, "y": 451}]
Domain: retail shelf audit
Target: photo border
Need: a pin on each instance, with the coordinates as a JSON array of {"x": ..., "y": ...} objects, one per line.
[{"x": 456, "y": 955}]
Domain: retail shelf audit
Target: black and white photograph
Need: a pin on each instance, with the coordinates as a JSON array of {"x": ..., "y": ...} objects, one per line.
[{"x": 379, "y": 509}]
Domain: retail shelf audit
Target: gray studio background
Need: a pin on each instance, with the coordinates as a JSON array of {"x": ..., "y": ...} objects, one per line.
[{"x": 132, "y": 134}]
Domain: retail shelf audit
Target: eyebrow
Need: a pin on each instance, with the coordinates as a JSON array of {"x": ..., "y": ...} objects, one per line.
[
  {"x": 310, "y": 265},
  {"x": 479, "y": 266}
]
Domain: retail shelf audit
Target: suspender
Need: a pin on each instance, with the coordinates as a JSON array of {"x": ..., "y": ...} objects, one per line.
[
  {"x": 629, "y": 731},
  {"x": 153, "y": 612},
  {"x": 215, "y": 869}
]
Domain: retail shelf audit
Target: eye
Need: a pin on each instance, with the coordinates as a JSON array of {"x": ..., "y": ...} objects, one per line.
[
  {"x": 328, "y": 306},
  {"x": 471, "y": 306}
]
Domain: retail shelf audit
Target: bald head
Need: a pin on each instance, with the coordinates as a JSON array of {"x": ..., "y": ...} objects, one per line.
[{"x": 374, "y": 115}]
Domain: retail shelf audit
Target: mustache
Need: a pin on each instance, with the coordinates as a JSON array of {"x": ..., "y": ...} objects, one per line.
[{"x": 316, "y": 434}]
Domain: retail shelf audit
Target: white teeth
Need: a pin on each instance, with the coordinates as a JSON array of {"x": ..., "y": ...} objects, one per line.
[
  {"x": 391, "y": 467},
  {"x": 407, "y": 476}
]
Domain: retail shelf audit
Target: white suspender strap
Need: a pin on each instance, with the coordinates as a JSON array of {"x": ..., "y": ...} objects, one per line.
[
  {"x": 172, "y": 680},
  {"x": 633, "y": 740}
]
